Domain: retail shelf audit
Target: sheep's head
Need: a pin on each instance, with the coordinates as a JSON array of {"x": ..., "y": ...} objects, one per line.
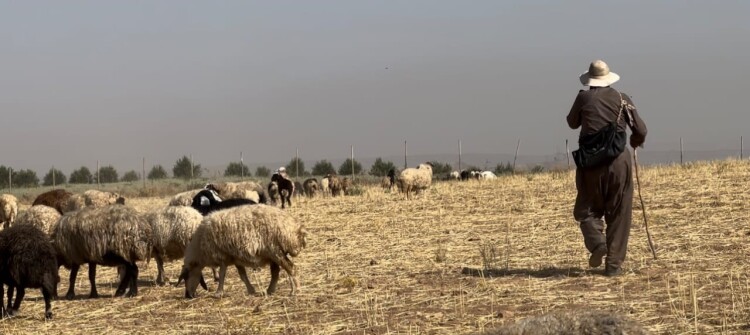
[{"x": 192, "y": 276}]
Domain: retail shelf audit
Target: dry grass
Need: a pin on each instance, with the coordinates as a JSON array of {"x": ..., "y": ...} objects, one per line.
[{"x": 378, "y": 264}]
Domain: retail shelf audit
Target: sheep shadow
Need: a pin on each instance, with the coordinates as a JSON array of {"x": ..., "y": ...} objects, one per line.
[{"x": 550, "y": 272}]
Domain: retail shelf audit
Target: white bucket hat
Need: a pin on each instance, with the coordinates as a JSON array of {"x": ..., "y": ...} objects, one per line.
[{"x": 599, "y": 75}]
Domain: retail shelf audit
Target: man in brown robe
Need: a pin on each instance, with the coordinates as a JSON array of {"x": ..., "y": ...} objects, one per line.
[{"x": 605, "y": 191}]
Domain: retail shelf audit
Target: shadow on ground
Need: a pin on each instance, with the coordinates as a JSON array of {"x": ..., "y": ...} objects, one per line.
[{"x": 536, "y": 273}]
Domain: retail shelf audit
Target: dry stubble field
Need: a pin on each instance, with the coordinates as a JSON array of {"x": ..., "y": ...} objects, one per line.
[{"x": 376, "y": 264}]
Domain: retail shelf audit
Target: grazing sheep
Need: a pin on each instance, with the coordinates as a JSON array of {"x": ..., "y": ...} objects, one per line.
[
  {"x": 487, "y": 175},
  {"x": 27, "y": 260},
  {"x": 455, "y": 175},
  {"x": 311, "y": 187},
  {"x": 298, "y": 189},
  {"x": 8, "y": 209},
  {"x": 285, "y": 189},
  {"x": 416, "y": 180},
  {"x": 43, "y": 217},
  {"x": 324, "y": 185},
  {"x": 111, "y": 236},
  {"x": 273, "y": 192},
  {"x": 96, "y": 198},
  {"x": 581, "y": 322},
  {"x": 214, "y": 204},
  {"x": 242, "y": 190},
  {"x": 172, "y": 228},
  {"x": 184, "y": 198},
  {"x": 470, "y": 174},
  {"x": 335, "y": 185},
  {"x": 386, "y": 184},
  {"x": 243, "y": 236},
  {"x": 57, "y": 199},
  {"x": 346, "y": 183}
]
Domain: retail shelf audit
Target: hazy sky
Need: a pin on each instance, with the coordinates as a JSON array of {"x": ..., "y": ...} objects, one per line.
[{"x": 119, "y": 80}]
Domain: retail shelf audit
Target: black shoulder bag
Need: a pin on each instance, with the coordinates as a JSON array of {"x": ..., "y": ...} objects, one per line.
[{"x": 603, "y": 146}]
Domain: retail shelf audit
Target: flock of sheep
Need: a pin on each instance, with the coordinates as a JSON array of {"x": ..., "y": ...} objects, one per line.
[
  {"x": 244, "y": 229},
  {"x": 98, "y": 228}
]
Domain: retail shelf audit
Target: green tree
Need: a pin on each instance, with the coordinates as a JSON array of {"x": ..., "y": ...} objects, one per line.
[
  {"x": 157, "y": 172},
  {"x": 506, "y": 168},
  {"x": 380, "y": 168},
  {"x": 131, "y": 176},
  {"x": 262, "y": 171},
  {"x": 440, "y": 168},
  {"x": 59, "y": 178},
  {"x": 4, "y": 176},
  {"x": 322, "y": 168},
  {"x": 237, "y": 169},
  {"x": 346, "y": 167},
  {"x": 25, "y": 178},
  {"x": 181, "y": 168},
  {"x": 81, "y": 176},
  {"x": 108, "y": 174},
  {"x": 291, "y": 168}
]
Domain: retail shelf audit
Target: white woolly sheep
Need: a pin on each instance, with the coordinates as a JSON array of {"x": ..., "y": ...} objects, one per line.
[
  {"x": 172, "y": 227},
  {"x": 487, "y": 175},
  {"x": 573, "y": 323},
  {"x": 43, "y": 217},
  {"x": 96, "y": 198},
  {"x": 243, "y": 236},
  {"x": 324, "y": 186},
  {"x": 75, "y": 202},
  {"x": 184, "y": 198},
  {"x": 8, "y": 209},
  {"x": 242, "y": 190},
  {"x": 111, "y": 236},
  {"x": 416, "y": 180}
]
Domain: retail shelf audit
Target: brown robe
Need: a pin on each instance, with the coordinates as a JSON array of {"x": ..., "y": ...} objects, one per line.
[{"x": 606, "y": 191}]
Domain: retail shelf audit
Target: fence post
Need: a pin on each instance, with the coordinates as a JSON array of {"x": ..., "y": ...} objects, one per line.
[
  {"x": 405, "y": 154},
  {"x": 518, "y": 145},
  {"x": 296, "y": 163},
  {"x": 681, "y": 152},
  {"x": 98, "y": 176},
  {"x": 242, "y": 167},
  {"x": 459, "y": 155},
  {"x": 352, "y": 162},
  {"x": 143, "y": 171}
]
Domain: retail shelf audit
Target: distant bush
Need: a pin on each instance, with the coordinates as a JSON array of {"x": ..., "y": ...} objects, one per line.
[
  {"x": 262, "y": 171},
  {"x": 380, "y": 168},
  {"x": 322, "y": 168},
  {"x": 130, "y": 176},
  {"x": 108, "y": 174},
  {"x": 506, "y": 168},
  {"x": 440, "y": 168},
  {"x": 346, "y": 167},
  {"x": 237, "y": 169},
  {"x": 59, "y": 178},
  {"x": 182, "y": 167},
  {"x": 81, "y": 176},
  {"x": 157, "y": 172}
]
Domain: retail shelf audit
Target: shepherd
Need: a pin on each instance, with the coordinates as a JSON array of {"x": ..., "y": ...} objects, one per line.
[{"x": 604, "y": 173}]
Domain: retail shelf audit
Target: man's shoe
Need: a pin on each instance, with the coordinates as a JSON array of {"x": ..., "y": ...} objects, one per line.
[
  {"x": 613, "y": 272},
  {"x": 596, "y": 257}
]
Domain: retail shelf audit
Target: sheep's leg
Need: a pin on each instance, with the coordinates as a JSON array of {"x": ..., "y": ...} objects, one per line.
[
  {"x": 160, "y": 269},
  {"x": 10, "y": 299},
  {"x": 92, "y": 279},
  {"x": 19, "y": 297},
  {"x": 243, "y": 276},
  {"x": 133, "y": 270},
  {"x": 215, "y": 273},
  {"x": 47, "y": 304},
  {"x": 288, "y": 266},
  {"x": 124, "y": 282},
  {"x": 72, "y": 282},
  {"x": 2, "y": 303},
  {"x": 222, "y": 276},
  {"x": 275, "y": 269}
]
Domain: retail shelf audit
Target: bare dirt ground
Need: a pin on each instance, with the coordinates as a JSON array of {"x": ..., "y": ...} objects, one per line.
[{"x": 462, "y": 258}]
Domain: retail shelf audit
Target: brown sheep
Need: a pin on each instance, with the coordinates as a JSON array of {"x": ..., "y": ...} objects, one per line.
[
  {"x": 334, "y": 183},
  {"x": 57, "y": 199}
]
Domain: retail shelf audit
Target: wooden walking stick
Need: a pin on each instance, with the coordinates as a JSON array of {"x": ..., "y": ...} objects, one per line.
[{"x": 643, "y": 206}]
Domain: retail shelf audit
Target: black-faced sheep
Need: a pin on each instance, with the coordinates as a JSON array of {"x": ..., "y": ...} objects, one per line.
[
  {"x": 415, "y": 179},
  {"x": 8, "y": 209},
  {"x": 311, "y": 187},
  {"x": 285, "y": 189},
  {"x": 114, "y": 235},
  {"x": 43, "y": 217},
  {"x": 27, "y": 260},
  {"x": 581, "y": 322},
  {"x": 244, "y": 236},
  {"x": 57, "y": 199}
]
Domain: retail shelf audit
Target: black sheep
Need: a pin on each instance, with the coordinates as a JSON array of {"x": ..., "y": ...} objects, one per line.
[
  {"x": 286, "y": 189},
  {"x": 27, "y": 259},
  {"x": 217, "y": 206}
]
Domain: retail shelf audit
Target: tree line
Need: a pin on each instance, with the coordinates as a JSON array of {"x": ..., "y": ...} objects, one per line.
[{"x": 185, "y": 168}]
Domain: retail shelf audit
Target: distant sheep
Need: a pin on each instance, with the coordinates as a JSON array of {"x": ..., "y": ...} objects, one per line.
[
  {"x": 335, "y": 185},
  {"x": 214, "y": 204},
  {"x": 273, "y": 192},
  {"x": 470, "y": 174},
  {"x": 57, "y": 199},
  {"x": 455, "y": 175},
  {"x": 8, "y": 209},
  {"x": 75, "y": 202},
  {"x": 386, "y": 184},
  {"x": 111, "y": 236},
  {"x": 244, "y": 236},
  {"x": 27, "y": 260},
  {"x": 298, "y": 189},
  {"x": 581, "y": 322},
  {"x": 325, "y": 185},
  {"x": 416, "y": 180},
  {"x": 487, "y": 175},
  {"x": 346, "y": 183},
  {"x": 172, "y": 227},
  {"x": 242, "y": 190},
  {"x": 184, "y": 198},
  {"x": 285, "y": 187},
  {"x": 43, "y": 217},
  {"x": 311, "y": 187},
  {"x": 94, "y": 198}
]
